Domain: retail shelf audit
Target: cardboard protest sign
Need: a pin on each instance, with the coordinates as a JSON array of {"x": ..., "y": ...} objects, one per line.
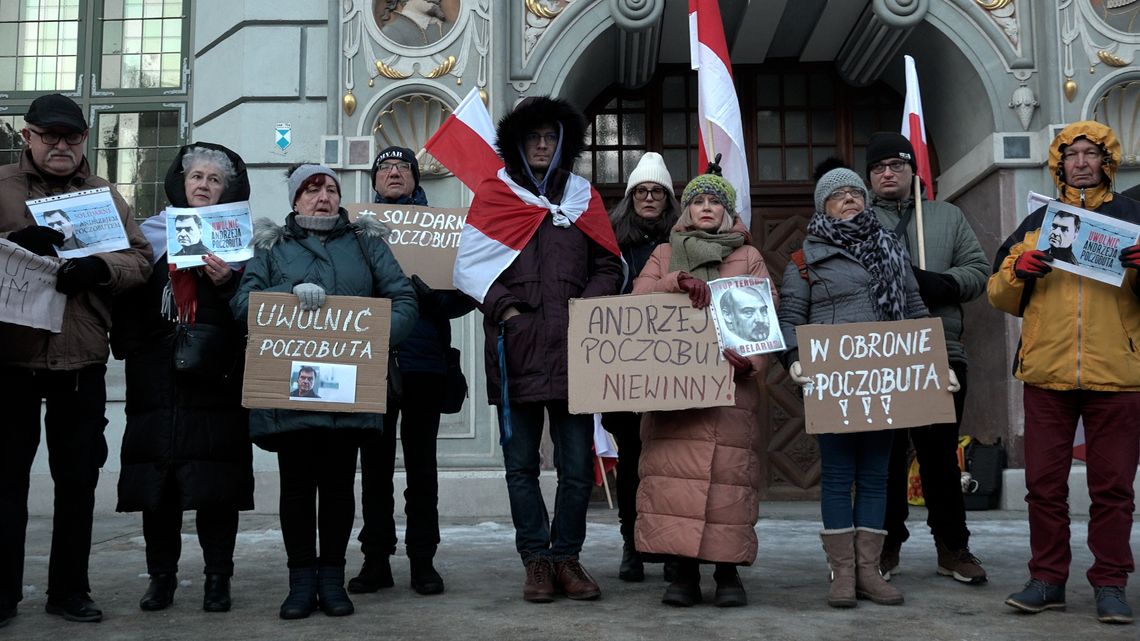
[
  {"x": 88, "y": 220},
  {"x": 744, "y": 315},
  {"x": 875, "y": 376},
  {"x": 1084, "y": 242},
  {"x": 333, "y": 359},
  {"x": 423, "y": 240},
  {"x": 224, "y": 230},
  {"x": 27, "y": 289},
  {"x": 644, "y": 352}
]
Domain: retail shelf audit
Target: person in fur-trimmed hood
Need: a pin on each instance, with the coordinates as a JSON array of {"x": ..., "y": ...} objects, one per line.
[
  {"x": 317, "y": 252},
  {"x": 567, "y": 251}
]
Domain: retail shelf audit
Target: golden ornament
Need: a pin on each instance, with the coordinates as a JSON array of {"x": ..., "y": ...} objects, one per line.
[
  {"x": 349, "y": 101},
  {"x": 1070, "y": 89}
]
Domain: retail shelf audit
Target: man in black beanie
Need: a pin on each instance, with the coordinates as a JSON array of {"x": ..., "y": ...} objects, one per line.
[{"x": 956, "y": 271}]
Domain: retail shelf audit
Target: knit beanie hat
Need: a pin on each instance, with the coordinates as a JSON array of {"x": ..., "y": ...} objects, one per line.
[
  {"x": 888, "y": 144},
  {"x": 303, "y": 173},
  {"x": 650, "y": 169},
  {"x": 397, "y": 153},
  {"x": 713, "y": 185},
  {"x": 836, "y": 179}
]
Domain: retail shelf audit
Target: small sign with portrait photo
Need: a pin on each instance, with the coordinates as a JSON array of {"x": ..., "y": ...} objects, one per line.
[
  {"x": 88, "y": 220},
  {"x": 744, "y": 315},
  {"x": 1084, "y": 242},
  {"x": 223, "y": 230}
]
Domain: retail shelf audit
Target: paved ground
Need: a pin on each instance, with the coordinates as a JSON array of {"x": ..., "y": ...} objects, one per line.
[{"x": 786, "y": 587}]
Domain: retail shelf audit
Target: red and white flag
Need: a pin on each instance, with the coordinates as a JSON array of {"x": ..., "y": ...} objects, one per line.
[
  {"x": 465, "y": 142},
  {"x": 718, "y": 107},
  {"x": 914, "y": 127}
]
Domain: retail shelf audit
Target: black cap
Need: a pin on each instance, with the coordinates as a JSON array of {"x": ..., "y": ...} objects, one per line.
[
  {"x": 888, "y": 144},
  {"x": 56, "y": 110},
  {"x": 398, "y": 153}
]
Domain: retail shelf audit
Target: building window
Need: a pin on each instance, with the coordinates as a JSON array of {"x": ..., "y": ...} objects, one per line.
[
  {"x": 39, "y": 45},
  {"x": 11, "y": 142},
  {"x": 133, "y": 150},
  {"x": 141, "y": 44},
  {"x": 616, "y": 139},
  {"x": 795, "y": 124}
]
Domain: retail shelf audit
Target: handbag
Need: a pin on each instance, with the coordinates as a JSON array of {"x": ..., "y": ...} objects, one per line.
[
  {"x": 454, "y": 384},
  {"x": 203, "y": 349}
]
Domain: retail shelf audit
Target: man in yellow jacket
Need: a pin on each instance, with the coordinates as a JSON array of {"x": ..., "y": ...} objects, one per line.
[{"x": 1078, "y": 359}]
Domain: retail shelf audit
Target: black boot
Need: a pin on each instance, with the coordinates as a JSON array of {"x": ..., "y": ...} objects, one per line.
[
  {"x": 425, "y": 579},
  {"x": 333, "y": 599},
  {"x": 217, "y": 594},
  {"x": 685, "y": 590},
  {"x": 160, "y": 594},
  {"x": 729, "y": 590},
  {"x": 632, "y": 569},
  {"x": 376, "y": 573},
  {"x": 302, "y": 599}
]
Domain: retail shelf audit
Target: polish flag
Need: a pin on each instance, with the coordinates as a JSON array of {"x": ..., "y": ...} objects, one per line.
[
  {"x": 718, "y": 108},
  {"x": 914, "y": 127},
  {"x": 465, "y": 142}
]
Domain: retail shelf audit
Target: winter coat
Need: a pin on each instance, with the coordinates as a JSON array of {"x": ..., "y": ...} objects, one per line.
[
  {"x": 1076, "y": 332},
  {"x": 187, "y": 435},
  {"x": 701, "y": 468},
  {"x": 287, "y": 255},
  {"x": 952, "y": 248},
  {"x": 87, "y": 316}
]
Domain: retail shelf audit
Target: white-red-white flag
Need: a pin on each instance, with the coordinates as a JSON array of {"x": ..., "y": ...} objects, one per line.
[
  {"x": 914, "y": 127},
  {"x": 465, "y": 142},
  {"x": 717, "y": 105}
]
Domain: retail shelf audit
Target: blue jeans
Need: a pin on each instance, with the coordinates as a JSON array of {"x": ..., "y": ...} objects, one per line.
[
  {"x": 573, "y": 437},
  {"x": 860, "y": 458}
]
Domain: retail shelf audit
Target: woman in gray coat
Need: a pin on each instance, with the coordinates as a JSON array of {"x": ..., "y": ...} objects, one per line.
[{"x": 317, "y": 252}]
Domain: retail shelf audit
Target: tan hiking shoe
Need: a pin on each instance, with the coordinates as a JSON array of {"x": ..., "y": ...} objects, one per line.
[{"x": 960, "y": 564}]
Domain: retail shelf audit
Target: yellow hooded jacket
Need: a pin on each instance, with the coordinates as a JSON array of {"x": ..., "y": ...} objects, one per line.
[{"x": 1076, "y": 333}]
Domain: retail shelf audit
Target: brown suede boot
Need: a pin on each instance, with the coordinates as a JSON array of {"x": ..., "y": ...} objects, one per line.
[
  {"x": 869, "y": 583},
  {"x": 839, "y": 545}
]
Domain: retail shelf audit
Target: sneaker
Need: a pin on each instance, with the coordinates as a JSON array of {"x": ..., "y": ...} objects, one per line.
[
  {"x": 1038, "y": 596},
  {"x": 75, "y": 607},
  {"x": 1111, "y": 605},
  {"x": 889, "y": 560},
  {"x": 539, "y": 586},
  {"x": 576, "y": 582},
  {"x": 960, "y": 564}
]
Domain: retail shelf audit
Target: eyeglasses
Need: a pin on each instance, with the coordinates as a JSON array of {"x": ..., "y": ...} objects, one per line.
[
  {"x": 645, "y": 192},
  {"x": 401, "y": 166},
  {"x": 53, "y": 138},
  {"x": 842, "y": 194},
  {"x": 894, "y": 165},
  {"x": 550, "y": 138}
]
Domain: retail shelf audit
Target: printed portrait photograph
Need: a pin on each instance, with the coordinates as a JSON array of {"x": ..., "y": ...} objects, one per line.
[
  {"x": 415, "y": 23},
  {"x": 325, "y": 382}
]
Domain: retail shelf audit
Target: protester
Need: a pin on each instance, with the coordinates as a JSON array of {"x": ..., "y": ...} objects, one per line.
[
  {"x": 955, "y": 273},
  {"x": 186, "y": 445},
  {"x": 699, "y": 496},
  {"x": 65, "y": 369},
  {"x": 317, "y": 252},
  {"x": 569, "y": 252},
  {"x": 850, "y": 270},
  {"x": 641, "y": 220},
  {"x": 1078, "y": 360},
  {"x": 422, "y": 359}
]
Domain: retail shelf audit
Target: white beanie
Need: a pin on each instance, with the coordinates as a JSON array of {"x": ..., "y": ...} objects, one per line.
[{"x": 650, "y": 169}]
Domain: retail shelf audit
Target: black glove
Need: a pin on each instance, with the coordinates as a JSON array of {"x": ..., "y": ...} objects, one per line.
[
  {"x": 936, "y": 288},
  {"x": 38, "y": 240},
  {"x": 81, "y": 274}
]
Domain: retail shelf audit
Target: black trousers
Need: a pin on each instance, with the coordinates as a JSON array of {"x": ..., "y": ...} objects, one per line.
[
  {"x": 418, "y": 431},
  {"x": 936, "y": 447},
  {"x": 74, "y": 423},
  {"x": 317, "y": 463},
  {"x": 626, "y": 430},
  {"x": 162, "y": 531}
]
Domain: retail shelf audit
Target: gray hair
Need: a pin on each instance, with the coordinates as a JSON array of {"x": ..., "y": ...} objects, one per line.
[{"x": 205, "y": 156}]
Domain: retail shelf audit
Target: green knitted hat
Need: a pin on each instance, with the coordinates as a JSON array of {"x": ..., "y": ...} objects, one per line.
[{"x": 711, "y": 184}]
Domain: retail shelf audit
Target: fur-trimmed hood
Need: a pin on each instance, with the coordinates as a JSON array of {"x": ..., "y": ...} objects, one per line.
[
  {"x": 267, "y": 233},
  {"x": 532, "y": 113}
]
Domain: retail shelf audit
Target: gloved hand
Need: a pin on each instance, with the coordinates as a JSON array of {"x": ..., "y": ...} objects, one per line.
[
  {"x": 796, "y": 373},
  {"x": 38, "y": 240},
  {"x": 1130, "y": 257},
  {"x": 1033, "y": 263},
  {"x": 699, "y": 293},
  {"x": 741, "y": 366},
  {"x": 936, "y": 288},
  {"x": 81, "y": 274},
  {"x": 310, "y": 295},
  {"x": 952, "y": 384}
]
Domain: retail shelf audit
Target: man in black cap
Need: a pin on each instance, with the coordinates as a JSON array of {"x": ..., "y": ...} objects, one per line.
[
  {"x": 956, "y": 272},
  {"x": 65, "y": 369}
]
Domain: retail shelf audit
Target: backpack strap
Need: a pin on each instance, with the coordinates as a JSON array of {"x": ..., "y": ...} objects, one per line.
[{"x": 801, "y": 264}]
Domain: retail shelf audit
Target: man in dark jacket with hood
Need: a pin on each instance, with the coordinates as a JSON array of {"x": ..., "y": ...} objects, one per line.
[
  {"x": 568, "y": 251},
  {"x": 422, "y": 361}
]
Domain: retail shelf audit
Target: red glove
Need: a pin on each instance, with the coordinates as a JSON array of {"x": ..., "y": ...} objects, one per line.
[
  {"x": 1130, "y": 257},
  {"x": 699, "y": 293},
  {"x": 740, "y": 365},
  {"x": 1032, "y": 264}
]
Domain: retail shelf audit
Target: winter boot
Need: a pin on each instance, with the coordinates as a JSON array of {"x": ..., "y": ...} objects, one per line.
[
  {"x": 425, "y": 579},
  {"x": 869, "y": 584},
  {"x": 160, "y": 593},
  {"x": 729, "y": 589},
  {"x": 216, "y": 596},
  {"x": 632, "y": 568},
  {"x": 331, "y": 596},
  {"x": 839, "y": 545},
  {"x": 685, "y": 590},
  {"x": 376, "y": 573},
  {"x": 302, "y": 599}
]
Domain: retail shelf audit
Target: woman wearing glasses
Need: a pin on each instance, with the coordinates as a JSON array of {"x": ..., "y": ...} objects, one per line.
[{"x": 850, "y": 270}]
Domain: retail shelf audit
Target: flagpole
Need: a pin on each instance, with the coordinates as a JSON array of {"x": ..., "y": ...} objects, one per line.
[{"x": 918, "y": 222}]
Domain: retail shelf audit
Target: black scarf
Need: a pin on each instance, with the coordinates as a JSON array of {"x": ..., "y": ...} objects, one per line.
[{"x": 876, "y": 249}]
